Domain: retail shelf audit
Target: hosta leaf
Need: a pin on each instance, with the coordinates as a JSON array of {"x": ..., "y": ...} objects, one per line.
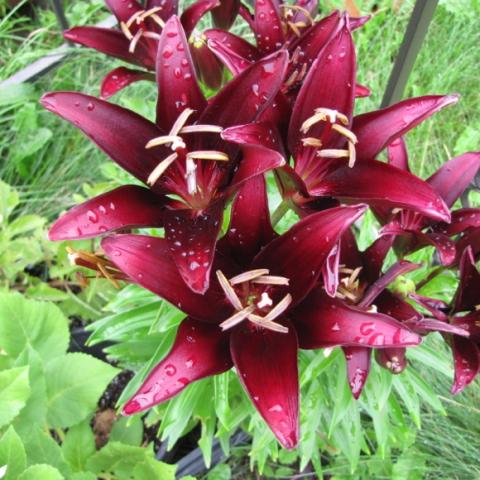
[
  {"x": 79, "y": 445},
  {"x": 14, "y": 392},
  {"x": 128, "y": 430},
  {"x": 12, "y": 454},
  {"x": 41, "y": 472},
  {"x": 74, "y": 385}
]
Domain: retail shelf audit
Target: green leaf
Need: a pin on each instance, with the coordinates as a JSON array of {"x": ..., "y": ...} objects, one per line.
[
  {"x": 24, "y": 224},
  {"x": 26, "y": 322},
  {"x": 128, "y": 430},
  {"x": 152, "y": 468},
  {"x": 74, "y": 385},
  {"x": 9, "y": 199},
  {"x": 221, "y": 472},
  {"x": 43, "y": 291},
  {"x": 41, "y": 472},
  {"x": 12, "y": 454},
  {"x": 14, "y": 392},
  {"x": 83, "y": 476},
  {"x": 79, "y": 445},
  {"x": 41, "y": 447}
]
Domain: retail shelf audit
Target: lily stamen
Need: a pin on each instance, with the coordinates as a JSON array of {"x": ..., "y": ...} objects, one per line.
[
  {"x": 153, "y": 35},
  {"x": 333, "y": 153},
  {"x": 279, "y": 308},
  {"x": 135, "y": 40},
  {"x": 311, "y": 142},
  {"x": 229, "y": 291},
  {"x": 181, "y": 121},
  {"x": 126, "y": 31},
  {"x": 275, "y": 327},
  {"x": 164, "y": 140},
  {"x": 208, "y": 155},
  {"x": 247, "y": 276},
  {"x": 271, "y": 280},
  {"x": 237, "y": 318},
  {"x": 201, "y": 129},
  {"x": 152, "y": 13},
  {"x": 345, "y": 132},
  {"x": 159, "y": 170},
  {"x": 298, "y": 8},
  {"x": 190, "y": 175}
]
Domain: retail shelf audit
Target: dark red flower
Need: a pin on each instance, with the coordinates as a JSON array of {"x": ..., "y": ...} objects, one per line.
[
  {"x": 263, "y": 302},
  {"x": 136, "y": 41},
  {"x": 191, "y": 169}
]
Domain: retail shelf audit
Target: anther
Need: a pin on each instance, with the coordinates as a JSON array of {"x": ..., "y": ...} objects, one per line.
[
  {"x": 135, "y": 40},
  {"x": 229, "y": 291},
  {"x": 247, "y": 276},
  {"x": 164, "y": 140},
  {"x": 345, "y": 132},
  {"x": 201, "y": 129},
  {"x": 236, "y": 318},
  {"x": 279, "y": 308},
  {"x": 126, "y": 31},
  {"x": 208, "y": 155},
  {"x": 311, "y": 142},
  {"x": 333, "y": 153},
  {"x": 160, "y": 169},
  {"x": 181, "y": 121},
  {"x": 271, "y": 280},
  {"x": 275, "y": 327}
]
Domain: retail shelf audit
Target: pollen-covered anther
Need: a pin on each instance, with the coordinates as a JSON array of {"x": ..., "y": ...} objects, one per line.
[
  {"x": 289, "y": 9},
  {"x": 152, "y": 13},
  {"x": 229, "y": 291},
  {"x": 279, "y": 308},
  {"x": 311, "y": 142},
  {"x": 201, "y": 129},
  {"x": 248, "y": 276},
  {"x": 237, "y": 317},
  {"x": 271, "y": 280},
  {"x": 208, "y": 155},
  {"x": 260, "y": 321},
  {"x": 165, "y": 140},
  {"x": 135, "y": 40},
  {"x": 159, "y": 170},
  {"x": 333, "y": 153},
  {"x": 477, "y": 307}
]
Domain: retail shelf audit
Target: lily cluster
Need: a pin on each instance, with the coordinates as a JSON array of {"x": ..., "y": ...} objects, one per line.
[{"x": 249, "y": 293}]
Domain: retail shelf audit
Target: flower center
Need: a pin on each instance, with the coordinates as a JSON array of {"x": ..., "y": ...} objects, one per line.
[
  {"x": 350, "y": 288},
  {"x": 179, "y": 149},
  {"x": 139, "y": 18},
  {"x": 288, "y": 13},
  {"x": 334, "y": 121},
  {"x": 250, "y": 294}
]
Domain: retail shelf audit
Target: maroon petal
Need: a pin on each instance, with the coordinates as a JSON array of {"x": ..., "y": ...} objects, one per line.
[
  {"x": 471, "y": 238},
  {"x": 436, "y": 307},
  {"x": 266, "y": 363},
  {"x": 123, "y": 10},
  {"x": 245, "y": 97},
  {"x": 234, "y": 43},
  {"x": 392, "y": 359},
  {"x": 466, "y": 357},
  {"x": 329, "y": 84},
  {"x": 468, "y": 292},
  {"x": 350, "y": 255},
  {"x": 199, "y": 350},
  {"x": 169, "y": 8},
  {"x": 361, "y": 91},
  {"x": 290, "y": 183},
  {"x": 322, "y": 321},
  {"x": 192, "y": 236},
  {"x": 375, "y": 130},
  {"x": 147, "y": 261},
  {"x": 247, "y": 16},
  {"x": 231, "y": 59},
  {"x": 209, "y": 67},
  {"x": 357, "y": 22},
  {"x": 394, "y": 306},
  {"x": 397, "y": 154},
  {"x": 224, "y": 15},
  {"x": 330, "y": 270},
  {"x": 111, "y": 42},
  {"x": 374, "y": 257},
  {"x": 250, "y": 228},
  {"x": 300, "y": 253},
  {"x": 462, "y": 219},
  {"x": 192, "y": 15},
  {"x": 377, "y": 287},
  {"x": 268, "y": 26},
  {"x": 129, "y": 206},
  {"x": 120, "y": 78},
  {"x": 381, "y": 184},
  {"x": 453, "y": 177},
  {"x": 120, "y": 133},
  {"x": 177, "y": 83},
  {"x": 426, "y": 325},
  {"x": 358, "y": 368}
]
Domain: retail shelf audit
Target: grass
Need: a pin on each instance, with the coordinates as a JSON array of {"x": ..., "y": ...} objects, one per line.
[{"x": 48, "y": 170}]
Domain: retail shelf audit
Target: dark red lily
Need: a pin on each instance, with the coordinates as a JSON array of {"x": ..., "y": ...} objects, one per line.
[
  {"x": 464, "y": 315},
  {"x": 190, "y": 176},
  {"x": 334, "y": 155},
  {"x": 265, "y": 296},
  {"x": 413, "y": 230},
  {"x": 136, "y": 42}
]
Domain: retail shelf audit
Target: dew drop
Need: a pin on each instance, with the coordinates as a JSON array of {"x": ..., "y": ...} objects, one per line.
[{"x": 170, "y": 370}]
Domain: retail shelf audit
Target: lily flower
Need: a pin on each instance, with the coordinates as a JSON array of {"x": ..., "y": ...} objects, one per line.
[
  {"x": 334, "y": 154},
  {"x": 191, "y": 167},
  {"x": 413, "y": 230},
  {"x": 263, "y": 297},
  {"x": 464, "y": 314},
  {"x": 136, "y": 41}
]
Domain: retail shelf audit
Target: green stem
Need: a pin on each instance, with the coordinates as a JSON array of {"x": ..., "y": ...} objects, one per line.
[{"x": 279, "y": 212}]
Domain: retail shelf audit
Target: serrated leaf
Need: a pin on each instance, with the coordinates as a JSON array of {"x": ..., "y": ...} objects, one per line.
[
  {"x": 9, "y": 199},
  {"x": 79, "y": 445},
  {"x": 14, "y": 392},
  {"x": 127, "y": 430},
  {"x": 26, "y": 322},
  {"x": 24, "y": 224},
  {"x": 12, "y": 454},
  {"x": 41, "y": 472},
  {"x": 220, "y": 472},
  {"x": 74, "y": 385},
  {"x": 152, "y": 468}
]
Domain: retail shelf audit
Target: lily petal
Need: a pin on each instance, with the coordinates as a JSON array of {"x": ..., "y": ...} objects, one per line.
[
  {"x": 266, "y": 362},
  {"x": 250, "y": 228},
  {"x": 192, "y": 236},
  {"x": 374, "y": 257},
  {"x": 325, "y": 86},
  {"x": 436, "y": 307},
  {"x": 462, "y": 219},
  {"x": 192, "y": 15},
  {"x": 467, "y": 296},
  {"x": 200, "y": 350},
  {"x": 177, "y": 82},
  {"x": 268, "y": 27},
  {"x": 300, "y": 253},
  {"x": 235, "y": 43},
  {"x": 375, "y": 130},
  {"x": 209, "y": 67},
  {"x": 361, "y": 91},
  {"x": 224, "y": 15},
  {"x": 129, "y": 206},
  {"x": 453, "y": 177},
  {"x": 120, "y": 133},
  {"x": 427, "y": 325},
  {"x": 147, "y": 261},
  {"x": 322, "y": 321},
  {"x": 358, "y": 367},
  {"x": 394, "y": 306},
  {"x": 122, "y": 77},
  {"x": 466, "y": 357},
  {"x": 123, "y": 10},
  {"x": 392, "y": 359},
  {"x": 111, "y": 42},
  {"x": 379, "y": 183},
  {"x": 330, "y": 270},
  {"x": 398, "y": 155},
  {"x": 231, "y": 59},
  {"x": 169, "y": 8}
]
